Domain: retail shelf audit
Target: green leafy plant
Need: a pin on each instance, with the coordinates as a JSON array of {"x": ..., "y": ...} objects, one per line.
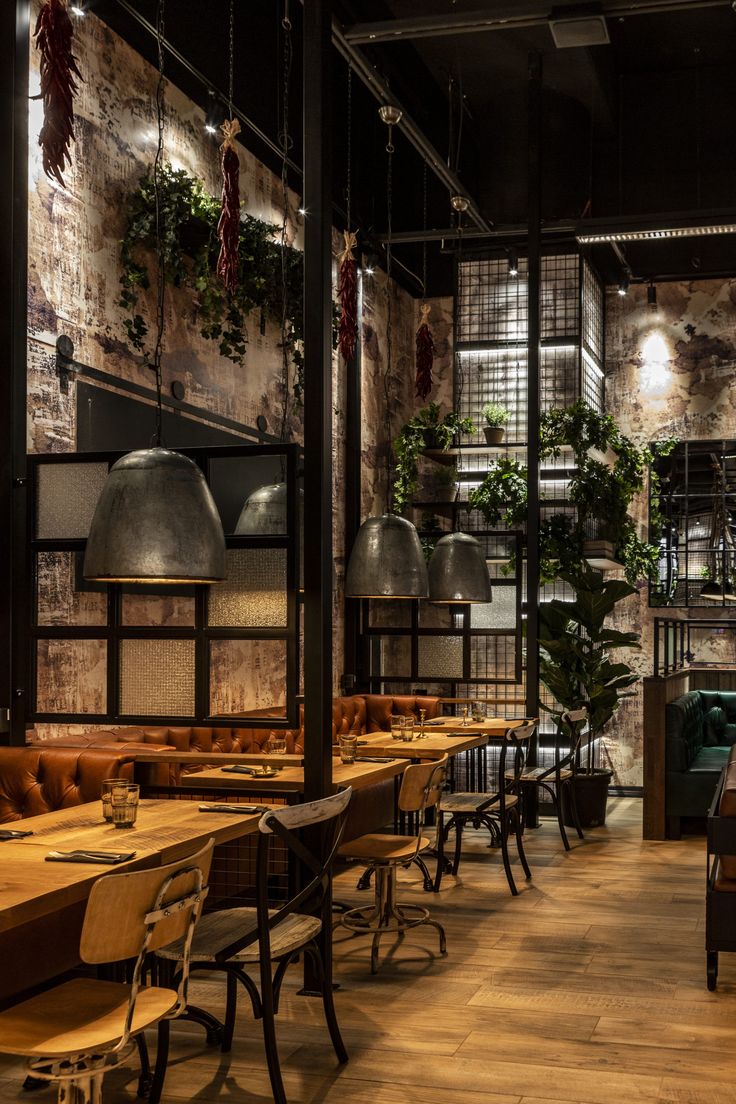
[
  {"x": 189, "y": 217},
  {"x": 424, "y": 430},
  {"x": 503, "y": 494},
  {"x": 495, "y": 415},
  {"x": 575, "y": 662}
]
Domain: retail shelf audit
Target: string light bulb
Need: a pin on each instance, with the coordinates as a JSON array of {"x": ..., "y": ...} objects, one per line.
[
  {"x": 513, "y": 262},
  {"x": 652, "y": 296},
  {"x": 623, "y": 287}
]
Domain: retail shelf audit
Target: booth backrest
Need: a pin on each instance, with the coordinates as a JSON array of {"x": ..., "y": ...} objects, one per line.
[
  {"x": 379, "y": 707},
  {"x": 727, "y": 808},
  {"x": 39, "y": 780},
  {"x": 700, "y": 718}
]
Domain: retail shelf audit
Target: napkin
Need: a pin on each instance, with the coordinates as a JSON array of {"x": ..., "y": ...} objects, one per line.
[
  {"x": 254, "y": 771},
  {"x": 12, "y": 833},
  {"x": 101, "y": 858},
  {"x": 235, "y": 808}
]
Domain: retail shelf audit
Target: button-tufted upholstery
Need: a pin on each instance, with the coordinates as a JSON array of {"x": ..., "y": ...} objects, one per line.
[
  {"x": 700, "y": 729},
  {"x": 379, "y": 708},
  {"x": 39, "y": 780}
]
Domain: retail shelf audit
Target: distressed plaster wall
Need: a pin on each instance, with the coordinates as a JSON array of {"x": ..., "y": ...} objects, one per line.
[
  {"x": 691, "y": 395},
  {"x": 73, "y": 286}
]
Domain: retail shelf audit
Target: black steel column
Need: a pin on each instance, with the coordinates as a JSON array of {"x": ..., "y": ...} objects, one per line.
[
  {"x": 14, "y": 31},
  {"x": 533, "y": 357},
  {"x": 318, "y": 551},
  {"x": 352, "y": 501}
]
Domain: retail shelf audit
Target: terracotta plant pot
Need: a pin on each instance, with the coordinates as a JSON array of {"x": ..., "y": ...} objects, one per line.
[{"x": 494, "y": 434}]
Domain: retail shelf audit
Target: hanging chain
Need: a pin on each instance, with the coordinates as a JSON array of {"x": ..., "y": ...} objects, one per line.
[
  {"x": 389, "y": 319},
  {"x": 349, "y": 171},
  {"x": 160, "y": 250},
  {"x": 286, "y": 143},
  {"x": 231, "y": 58},
  {"x": 424, "y": 228}
]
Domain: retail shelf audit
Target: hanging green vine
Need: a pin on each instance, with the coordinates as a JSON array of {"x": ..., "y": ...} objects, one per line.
[{"x": 189, "y": 218}]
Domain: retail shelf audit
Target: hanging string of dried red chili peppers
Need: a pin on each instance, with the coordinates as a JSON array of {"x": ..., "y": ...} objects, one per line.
[
  {"x": 228, "y": 226},
  {"x": 425, "y": 354},
  {"x": 347, "y": 291},
  {"x": 425, "y": 341},
  {"x": 59, "y": 73}
]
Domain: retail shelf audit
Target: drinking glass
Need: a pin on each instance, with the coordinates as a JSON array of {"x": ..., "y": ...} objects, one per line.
[
  {"x": 124, "y": 801},
  {"x": 397, "y": 726},
  {"x": 479, "y": 712},
  {"x": 408, "y": 729},
  {"x": 348, "y": 748},
  {"x": 108, "y": 784},
  {"x": 277, "y": 743}
]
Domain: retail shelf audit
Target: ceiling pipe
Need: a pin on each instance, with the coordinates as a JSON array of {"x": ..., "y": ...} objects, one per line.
[
  {"x": 499, "y": 233},
  {"x": 507, "y": 18}
]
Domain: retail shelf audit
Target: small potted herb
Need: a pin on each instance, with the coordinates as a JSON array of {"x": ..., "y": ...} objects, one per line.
[{"x": 496, "y": 417}]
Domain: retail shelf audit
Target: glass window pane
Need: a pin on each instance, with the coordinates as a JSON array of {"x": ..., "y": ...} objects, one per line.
[
  {"x": 248, "y": 677},
  {"x": 157, "y": 678},
  {"x": 66, "y": 498},
  {"x": 71, "y": 676},
  {"x": 254, "y": 593},
  {"x": 441, "y": 657},
  {"x": 500, "y": 613},
  {"x": 396, "y": 656},
  {"x": 170, "y": 610},
  {"x": 62, "y": 595}
]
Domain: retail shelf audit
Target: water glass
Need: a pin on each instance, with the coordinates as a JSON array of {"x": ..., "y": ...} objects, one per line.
[
  {"x": 397, "y": 727},
  {"x": 408, "y": 734},
  {"x": 479, "y": 712},
  {"x": 348, "y": 748},
  {"x": 108, "y": 785},
  {"x": 124, "y": 801},
  {"x": 277, "y": 743}
]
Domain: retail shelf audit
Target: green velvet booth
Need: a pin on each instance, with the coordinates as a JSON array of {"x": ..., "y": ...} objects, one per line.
[{"x": 700, "y": 729}]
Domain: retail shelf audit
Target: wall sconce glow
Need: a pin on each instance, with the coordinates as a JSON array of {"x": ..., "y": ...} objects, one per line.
[
  {"x": 655, "y": 360},
  {"x": 303, "y": 211},
  {"x": 77, "y": 10}
]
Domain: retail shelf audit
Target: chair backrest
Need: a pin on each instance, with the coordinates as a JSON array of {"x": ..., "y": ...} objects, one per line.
[
  {"x": 516, "y": 740},
  {"x": 325, "y": 819},
  {"x": 421, "y": 786},
  {"x": 572, "y": 724}
]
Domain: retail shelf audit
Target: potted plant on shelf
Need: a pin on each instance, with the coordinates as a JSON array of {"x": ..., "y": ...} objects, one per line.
[
  {"x": 425, "y": 430},
  {"x": 577, "y": 669},
  {"x": 496, "y": 418}
]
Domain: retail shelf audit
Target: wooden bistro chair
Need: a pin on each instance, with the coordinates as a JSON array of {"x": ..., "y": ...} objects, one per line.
[
  {"x": 499, "y": 812},
  {"x": 561, "y": 774},
  {"x": 74, "y": 1033},
  {"x": 233, "y": 939},
  {"x": 421, "y": 789}
]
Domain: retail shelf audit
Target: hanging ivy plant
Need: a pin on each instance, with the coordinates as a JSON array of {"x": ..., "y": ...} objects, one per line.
[
  {"x": 424, "y": 430},
  {"x": 189, "y": 217}
]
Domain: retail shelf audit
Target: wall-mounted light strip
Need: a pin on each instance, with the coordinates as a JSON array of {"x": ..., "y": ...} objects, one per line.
[{"x": 603, "y": 237}]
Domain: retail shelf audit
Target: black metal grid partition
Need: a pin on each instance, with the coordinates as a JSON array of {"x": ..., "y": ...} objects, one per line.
[{"x": 113, "y": 654}]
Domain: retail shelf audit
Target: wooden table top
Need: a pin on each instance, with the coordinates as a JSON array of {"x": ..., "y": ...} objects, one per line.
[
  {"x": 291, "y": 779},
  {"x": 449, "y": 738},
  {"x": 165, "y": 830},
  {"x": 491, "y": 726}
]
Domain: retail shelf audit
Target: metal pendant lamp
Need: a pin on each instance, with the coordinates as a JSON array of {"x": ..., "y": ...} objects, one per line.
[
  {"x": 264, "y": 512},
  {"x": 458, "y": 571},
  {"x": 156, "y": 521},
  {"x": 387, "y": 560}
]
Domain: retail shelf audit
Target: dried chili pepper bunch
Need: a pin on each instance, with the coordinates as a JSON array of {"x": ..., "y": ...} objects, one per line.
[
  {"x": 348, "y": 295},
  {"x": 228, "y": 226},
  {"x": 59, "y": 73},
  {"x": 425, "y": 354}
]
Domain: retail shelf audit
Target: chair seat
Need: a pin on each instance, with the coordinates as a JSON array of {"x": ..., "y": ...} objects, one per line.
[
  {"x": 533, "y": 774},
  {"x": 469, "y": 802},
  {"x": 218, "y": 930},
  {"x": 80, "y": 1016},
  {"x": 377, "y": 848}
]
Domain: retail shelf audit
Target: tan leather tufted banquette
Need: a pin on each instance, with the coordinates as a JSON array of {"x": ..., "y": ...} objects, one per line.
[
  {"x": 39, "y": 780},
  {"x": 379, "y": 708}
]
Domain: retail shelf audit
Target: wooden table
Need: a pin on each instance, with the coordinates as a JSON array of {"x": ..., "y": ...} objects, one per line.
[
  {"x": 42, "y": 903},
  {"x": 290, "y": 780}
]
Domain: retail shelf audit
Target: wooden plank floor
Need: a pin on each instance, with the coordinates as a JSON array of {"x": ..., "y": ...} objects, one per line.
[{"x": 589, "y": 987}]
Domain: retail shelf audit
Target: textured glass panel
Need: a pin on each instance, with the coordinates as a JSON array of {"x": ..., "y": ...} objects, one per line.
[
  {"x": 66, "y": 498},
  {"x": 58, "y": 599},
  {"x": 438, "y": 617},
  {"x": 247, "y": 676},
  {"x": 254, "y": 592},
  {"x": 396, "y": 656},
  {"x": 498, "y": 614},
  {"x": 441, "y": 657},
  {"x": 157, "y": 677},
  {"x": 169, "y": 610},
  {"x": 395, "y": 614},
  {"x": 71, "y": 676}
]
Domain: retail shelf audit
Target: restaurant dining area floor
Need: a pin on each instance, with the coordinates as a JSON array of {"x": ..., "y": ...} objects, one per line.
[{"x": 588, "y": 987}]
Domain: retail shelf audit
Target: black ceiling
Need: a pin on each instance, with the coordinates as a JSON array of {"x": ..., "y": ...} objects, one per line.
[{"x": 643, "y": 125}]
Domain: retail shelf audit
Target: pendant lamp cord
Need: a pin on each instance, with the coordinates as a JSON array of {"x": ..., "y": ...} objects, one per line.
[
  {"x": 424, "y": 228},
  {"x": 231, "y": 60},
  {"x": 285, "y": 142},
  {"x": 160, "y": 251},
  {"x": 389, "y": 319},
  {"x": 459, "y": 370},
  {"x": 349, "y": 150}
]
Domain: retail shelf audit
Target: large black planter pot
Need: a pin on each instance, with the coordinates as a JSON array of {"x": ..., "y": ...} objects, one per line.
[{"x": 591, "y": 795}]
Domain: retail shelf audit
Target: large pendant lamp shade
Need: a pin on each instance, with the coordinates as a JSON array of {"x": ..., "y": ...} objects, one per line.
[
  {"x": 155, "y": 522},
  {"x": 458, "y": 571},
  {"x": 387, "y": 561}
]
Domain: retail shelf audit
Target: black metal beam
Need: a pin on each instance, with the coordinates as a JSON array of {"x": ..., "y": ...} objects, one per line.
[
  {"x": 14, "y": 32},
  {"x": 533, "y": 360},
  {"x": 318, "y": 544},
  {"x": 352, "y": 499}
]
